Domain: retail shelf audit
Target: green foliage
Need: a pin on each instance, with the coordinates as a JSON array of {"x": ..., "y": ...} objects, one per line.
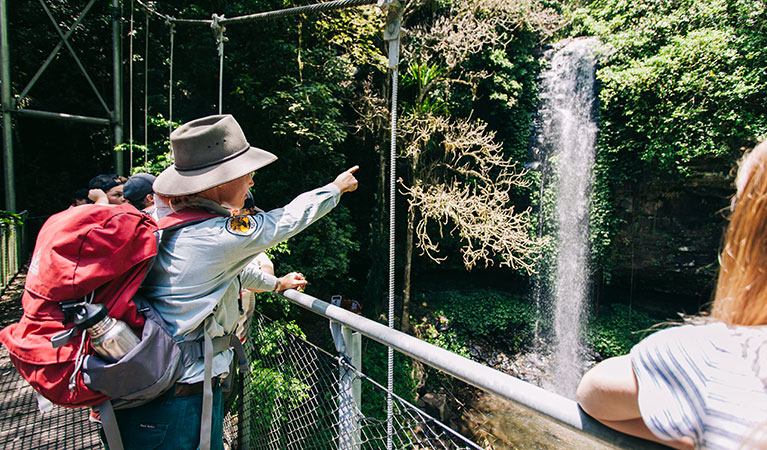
[
  {"x": 281, "y": 388},
  {"x": 486, "y": 314},
  {"x": 689, "y": 99},
  {"x": 155, "y": 157},
  {"x": 448, "y": 338},
  {"x": 309, "y": 114},
  {"x": 280, "y": 249},
  {"x": 617, "y": 330},
  {"x": 356, "y": 32},
  {"x": 9, "y": 218},
  {"x": 681, "y": 79},
  {"x": 508, "y": 99},
  {"x": 375, "y": 366},
  {"x": 323, "y": 254},
  {"x": 681, "y": 83},
  {"x": 422, "y": 77},
  {"x": 508, "y": 87},
  {"x": 271, "y": 336},
  {"x": 604, "y": 222},
  {"x": 270, "y": 304}
]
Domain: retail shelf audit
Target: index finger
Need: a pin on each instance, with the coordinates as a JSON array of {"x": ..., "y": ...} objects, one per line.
[{"x": 353, "y": 169}]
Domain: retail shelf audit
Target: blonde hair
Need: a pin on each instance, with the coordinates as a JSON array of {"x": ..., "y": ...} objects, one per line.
[
  {"x": 179, "y": 202},
  {"x": 741, "y": 290}
]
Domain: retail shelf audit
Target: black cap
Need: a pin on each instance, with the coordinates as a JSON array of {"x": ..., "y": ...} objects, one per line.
[
  {"x": 89, "y": 314},
  {"x": 137, "y": 187},
  {"x": 104, "y": 182}
]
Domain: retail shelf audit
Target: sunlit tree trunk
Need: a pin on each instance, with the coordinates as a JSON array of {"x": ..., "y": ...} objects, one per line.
[
  {"x": 407, "y": 280},
  {"x": 408, "y": 268}
]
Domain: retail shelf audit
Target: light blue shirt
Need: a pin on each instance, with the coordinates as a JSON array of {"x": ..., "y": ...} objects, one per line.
[{"x": 195, "y": 273}]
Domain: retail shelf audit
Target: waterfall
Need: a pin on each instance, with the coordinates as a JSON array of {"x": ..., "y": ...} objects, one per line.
[{"x": 566, "y": 134}]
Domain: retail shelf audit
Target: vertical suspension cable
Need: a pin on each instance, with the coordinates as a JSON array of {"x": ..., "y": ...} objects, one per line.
[
  {"x": 219, "y": 30},
  {"x": 130, "y": 90},
  {"x": 146, "y": 89},
  {"x": 392, "y": 197},
  {"x": 393, "y": 9},
  {"x": 221, "y": 79},
  {"x": 170, "y": 82}
]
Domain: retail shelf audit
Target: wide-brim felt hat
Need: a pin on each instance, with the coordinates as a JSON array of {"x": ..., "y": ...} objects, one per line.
[{"x": 208, "y": 152}]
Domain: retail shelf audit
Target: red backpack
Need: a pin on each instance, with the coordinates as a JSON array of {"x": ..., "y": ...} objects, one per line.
[{"x": 98, "y": 249}]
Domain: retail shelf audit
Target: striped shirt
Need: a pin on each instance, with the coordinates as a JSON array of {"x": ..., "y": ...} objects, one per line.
[{"x": 701, "y": 382}]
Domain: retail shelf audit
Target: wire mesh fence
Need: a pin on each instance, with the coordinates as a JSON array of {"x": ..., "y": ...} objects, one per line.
[{"x": 297, "y": 396}]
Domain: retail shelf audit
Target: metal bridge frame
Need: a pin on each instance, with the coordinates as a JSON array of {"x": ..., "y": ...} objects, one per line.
[
  {"x": 9, "y": 105},
  {"x": 563, "y": 410}
]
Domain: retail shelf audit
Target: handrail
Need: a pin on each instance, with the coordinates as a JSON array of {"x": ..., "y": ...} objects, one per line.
[
  {"x": 561, "y": 409},
  {"x": 12, "y": 250}
]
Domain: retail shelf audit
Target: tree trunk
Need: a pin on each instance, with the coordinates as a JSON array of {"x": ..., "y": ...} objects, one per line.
[
  {"x": 406, "y": 288},
  {"x": 377, "y": 285}
]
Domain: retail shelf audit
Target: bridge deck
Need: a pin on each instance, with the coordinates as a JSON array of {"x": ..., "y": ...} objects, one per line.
[{"x": 23, "y": 426}]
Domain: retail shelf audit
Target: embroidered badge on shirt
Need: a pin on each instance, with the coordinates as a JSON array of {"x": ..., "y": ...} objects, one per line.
[{"x": 240, "y": 225}]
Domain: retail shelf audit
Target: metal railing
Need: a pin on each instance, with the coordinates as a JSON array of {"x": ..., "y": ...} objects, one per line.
[
  {"x": 562, "y": 410},
  {"x": 299, "y": 396},
  {"x": 13, "y": 248}
]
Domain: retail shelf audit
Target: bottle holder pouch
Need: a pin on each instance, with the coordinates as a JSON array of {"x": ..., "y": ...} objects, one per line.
[{"x": 147, "y": 370}]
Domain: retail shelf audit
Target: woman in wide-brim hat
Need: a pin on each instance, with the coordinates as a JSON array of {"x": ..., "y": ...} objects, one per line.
[{"x": 194, "y": 280}]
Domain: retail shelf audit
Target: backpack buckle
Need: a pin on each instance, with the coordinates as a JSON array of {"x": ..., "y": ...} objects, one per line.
[
  {"x": 61, "y": 339},
  {"x": 68, "y": 307}
]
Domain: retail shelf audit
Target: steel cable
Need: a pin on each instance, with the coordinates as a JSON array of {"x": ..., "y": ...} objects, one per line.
[
  {"x": 287, "y": 12},
  {"x": 392, "y": 198},
  {"x": 170, "y": 83}
]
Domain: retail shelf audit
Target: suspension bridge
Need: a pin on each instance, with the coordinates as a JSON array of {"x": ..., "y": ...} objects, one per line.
[{"x": 298, "y": 396}]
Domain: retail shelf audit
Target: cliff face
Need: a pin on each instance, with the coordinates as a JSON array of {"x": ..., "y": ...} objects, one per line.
[{"x": 672, "y": 234}]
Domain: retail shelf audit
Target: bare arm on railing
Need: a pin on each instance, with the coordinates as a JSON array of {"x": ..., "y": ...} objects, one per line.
[{"x": 609, "y": 393}]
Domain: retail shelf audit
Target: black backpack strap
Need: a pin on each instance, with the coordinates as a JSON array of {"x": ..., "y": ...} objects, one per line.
[{"x": 239, "y": 353}]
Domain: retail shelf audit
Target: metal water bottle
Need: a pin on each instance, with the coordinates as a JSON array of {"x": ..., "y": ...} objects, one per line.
[{"x": 110, "y": 338}]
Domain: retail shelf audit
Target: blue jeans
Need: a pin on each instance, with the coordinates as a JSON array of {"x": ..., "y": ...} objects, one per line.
[{"x": 170, "y": 423}]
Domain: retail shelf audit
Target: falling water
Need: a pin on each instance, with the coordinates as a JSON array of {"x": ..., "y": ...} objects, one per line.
[{"x": 566, "y": 136}]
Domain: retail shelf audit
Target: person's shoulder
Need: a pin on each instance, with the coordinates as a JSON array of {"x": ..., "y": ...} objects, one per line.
[
  {"x": 675, "y": 338},
  {"x": 241, "y": 225},
  {"x": 693, "y": 332}
]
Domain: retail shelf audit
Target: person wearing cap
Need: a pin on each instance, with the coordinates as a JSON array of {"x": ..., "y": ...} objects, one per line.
[
  {"x": 138, "y": 191},
  {"x": 200, "y": 268},
  {"x": 106, "y": 189}
]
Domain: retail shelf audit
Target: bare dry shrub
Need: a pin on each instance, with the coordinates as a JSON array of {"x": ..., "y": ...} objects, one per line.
[{"x": 464, "y": 189}]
